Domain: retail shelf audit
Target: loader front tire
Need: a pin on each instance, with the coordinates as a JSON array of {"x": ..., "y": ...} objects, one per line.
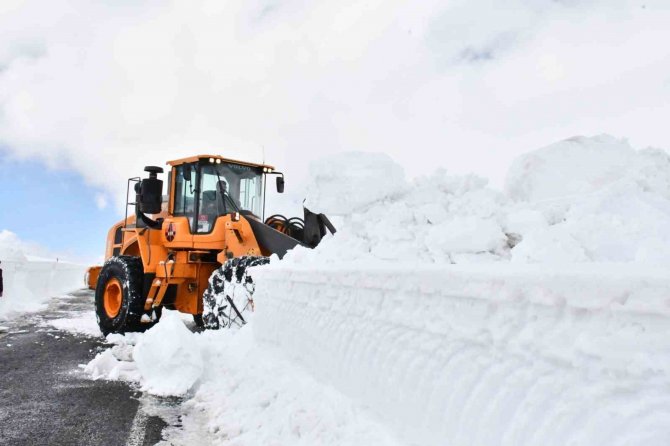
[
  {"x": 230, "y": 293},
  {"x": 119, "y": 303}
]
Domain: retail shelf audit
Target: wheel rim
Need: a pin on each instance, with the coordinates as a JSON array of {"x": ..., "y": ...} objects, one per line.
[{"x": 113, "y": 297}]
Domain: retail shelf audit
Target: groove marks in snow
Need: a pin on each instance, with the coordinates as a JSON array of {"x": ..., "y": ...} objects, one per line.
[{"x": 550, "y": 363}]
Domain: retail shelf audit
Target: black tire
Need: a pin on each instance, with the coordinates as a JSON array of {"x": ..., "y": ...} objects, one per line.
[
  {"x": 197, "y": 318},
  {"x": 231, "y": 282},
  {"x": 129, "y": 273}
]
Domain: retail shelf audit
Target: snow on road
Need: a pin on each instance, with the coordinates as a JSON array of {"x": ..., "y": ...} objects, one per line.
[
  {"x": 241, "y": 392},
  {"x": 79, "y": 323}
]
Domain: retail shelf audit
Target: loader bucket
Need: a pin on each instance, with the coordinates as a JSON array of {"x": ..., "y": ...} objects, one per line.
[{"x": 271, "y": 240}]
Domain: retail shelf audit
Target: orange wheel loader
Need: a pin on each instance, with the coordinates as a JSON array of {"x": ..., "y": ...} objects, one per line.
[{"x": 192, "y": 249}]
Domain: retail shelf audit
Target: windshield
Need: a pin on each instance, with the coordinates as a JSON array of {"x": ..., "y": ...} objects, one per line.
[{"x": 226, "y": 188}]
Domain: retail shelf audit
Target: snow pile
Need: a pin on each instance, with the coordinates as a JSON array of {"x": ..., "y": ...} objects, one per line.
[
  {"x": 580, "y": 200},
  {"x": 165, "y": 360},
  {"x": 241, "y": 392},
  {"x": 165, "y": 357},
  {"x": 595, "y": 199},
  {"x": 581, "y": 165},
  {"x": 28, "y": 283},
  {"x": 437, "y": 219},
  {"x": 343, "y": 184},
  {"x": 483, "y": 354},
  {"x": 116, "y": 363}
]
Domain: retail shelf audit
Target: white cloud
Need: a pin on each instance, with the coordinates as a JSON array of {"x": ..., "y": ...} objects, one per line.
[
  {"x": 13, "y": 248},
  {"x": 101, "y": 201},
  {"x": 467, "y": 84}
]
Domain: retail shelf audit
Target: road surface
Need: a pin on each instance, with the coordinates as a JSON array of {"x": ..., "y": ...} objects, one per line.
[{"x": 45, "y": 398}]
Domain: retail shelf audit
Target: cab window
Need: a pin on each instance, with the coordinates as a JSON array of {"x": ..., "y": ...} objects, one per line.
[
  {"x": 185, "y": 189},
  {"x": 226, "y": 188}
]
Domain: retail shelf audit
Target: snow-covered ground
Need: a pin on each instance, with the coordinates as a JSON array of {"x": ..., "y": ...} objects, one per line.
[
  {"x": 30, "y": 281},
  {"x": 241, "y": 392},
  {"x": 445, "y": 312}
]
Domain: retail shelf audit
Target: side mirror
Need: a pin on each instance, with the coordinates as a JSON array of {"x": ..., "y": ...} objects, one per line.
[
  {"x": 186, "y": 173},
  {"x": 280, "y": 185}
]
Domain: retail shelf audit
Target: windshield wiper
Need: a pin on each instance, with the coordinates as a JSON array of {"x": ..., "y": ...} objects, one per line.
[{"x": 224, "y": 194}]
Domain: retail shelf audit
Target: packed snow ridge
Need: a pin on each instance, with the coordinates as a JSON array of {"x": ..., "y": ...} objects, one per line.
[{"x": 30, "y": 280}]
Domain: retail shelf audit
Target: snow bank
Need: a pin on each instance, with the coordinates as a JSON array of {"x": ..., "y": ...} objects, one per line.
[
  {"x": 28, "y": 284},
  {"x": 240, "y": 392},
  {"x": 28, "y": 280},
  {"x": 426, "y": 308},
  {"x": 597, "y": 199},
  {"x": 580, "y": 200},
  {"x": 483, "y": 355}
]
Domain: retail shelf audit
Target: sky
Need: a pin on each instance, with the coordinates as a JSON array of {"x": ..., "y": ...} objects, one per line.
[
  {"x": 90, "y": 92},
  {"x": 55, "y": 209}
]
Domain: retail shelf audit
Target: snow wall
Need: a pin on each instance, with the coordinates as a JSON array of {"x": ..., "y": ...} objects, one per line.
[
  {"x": 28, "y": 284},
  {"x": 474, "y": 355},
  {"x": 462, "y": 315}
]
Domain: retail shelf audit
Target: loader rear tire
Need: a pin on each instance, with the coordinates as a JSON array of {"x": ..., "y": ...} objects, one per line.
[
  {"x": 230, "y": 283},
  {"x": 119, "y": 301}
]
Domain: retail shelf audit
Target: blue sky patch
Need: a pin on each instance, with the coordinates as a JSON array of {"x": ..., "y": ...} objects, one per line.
[{"x": 54, "y": 208}]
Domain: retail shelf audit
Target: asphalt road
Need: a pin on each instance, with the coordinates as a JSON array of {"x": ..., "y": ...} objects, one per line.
[{"x": 45, "y": 398}]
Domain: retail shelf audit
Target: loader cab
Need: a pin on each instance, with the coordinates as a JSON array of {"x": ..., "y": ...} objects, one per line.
[{"x": 207, "y": 187}]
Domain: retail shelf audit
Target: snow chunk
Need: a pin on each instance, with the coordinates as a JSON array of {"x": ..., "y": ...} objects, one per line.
[
  {"x": 524, "y": 221},
  {"x": 168, "y": 359},
  {"x": 467, "y": 234},
  {"x": 115, "y": 363},
  {"x": 349, "y": 181},
  {"x": 107, "y": 366},
  {"x": 598, "y": 200},
  {"x": 582, "y": 165},
  {"x": 553, "y": 245}
]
